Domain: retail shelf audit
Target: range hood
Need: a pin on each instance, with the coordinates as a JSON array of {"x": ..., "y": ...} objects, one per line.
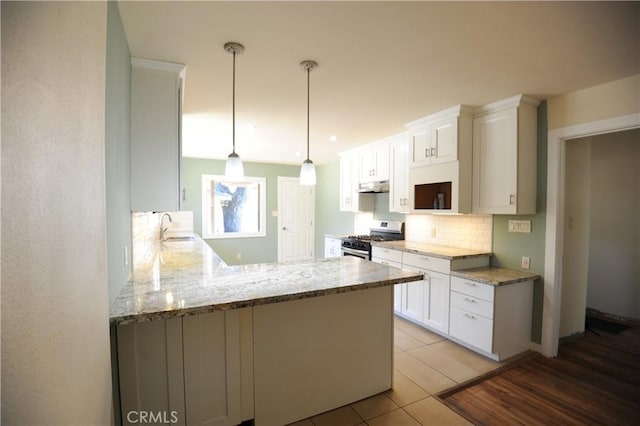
[{"x": 378, "y": 186}]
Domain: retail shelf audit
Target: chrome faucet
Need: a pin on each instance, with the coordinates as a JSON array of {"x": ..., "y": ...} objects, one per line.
[{"x": 162, "y": 228}]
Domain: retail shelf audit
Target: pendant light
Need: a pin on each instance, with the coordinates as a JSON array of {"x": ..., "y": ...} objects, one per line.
[
  {"x": 233, "y": 169},
  {"x": 308, "y": 170}
]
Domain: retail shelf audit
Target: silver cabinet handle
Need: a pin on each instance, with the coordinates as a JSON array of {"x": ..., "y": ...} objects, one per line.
[
  {"x": 471, "y": 284},
  {"x": 470, "y": 300},
  {"x": 433, "y": 152},
  {"x": 512, "y": 199},
  {"x": 426, "y": 152},
  {"x": 469, "y": 316}
]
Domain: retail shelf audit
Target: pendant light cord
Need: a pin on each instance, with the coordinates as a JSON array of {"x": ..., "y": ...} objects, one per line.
[
  {"x": 308, "y": 95},
  {"x": 233, "y": 101}
]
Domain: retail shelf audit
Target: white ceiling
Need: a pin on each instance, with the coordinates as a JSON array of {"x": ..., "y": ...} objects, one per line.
[{"x": 381, "y": 64}]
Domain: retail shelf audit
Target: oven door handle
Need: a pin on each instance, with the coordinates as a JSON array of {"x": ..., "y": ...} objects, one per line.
[{"x": 360, "y": 253}]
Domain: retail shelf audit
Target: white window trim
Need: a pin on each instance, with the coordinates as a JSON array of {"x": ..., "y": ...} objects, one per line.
[{"x": 206, "y": 210}]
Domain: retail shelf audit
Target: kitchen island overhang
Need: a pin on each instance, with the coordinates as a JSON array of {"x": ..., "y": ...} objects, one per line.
[{"x": 299, "y": 338}]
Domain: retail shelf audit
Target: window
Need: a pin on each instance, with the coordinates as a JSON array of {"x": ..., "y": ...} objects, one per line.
[{"x": 233, "y": 209}]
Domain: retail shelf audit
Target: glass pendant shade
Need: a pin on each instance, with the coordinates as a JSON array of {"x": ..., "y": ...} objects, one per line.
[
  {"x": 308, "y": 173},
  {"x": 234, "y": 170}
]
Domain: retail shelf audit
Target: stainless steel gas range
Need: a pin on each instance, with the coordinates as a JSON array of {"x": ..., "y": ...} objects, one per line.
[{"x": 380, "y": 230}]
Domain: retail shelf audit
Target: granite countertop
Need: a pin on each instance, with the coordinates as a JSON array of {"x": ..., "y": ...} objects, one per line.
[
  {"x": 188, "y": 278},
  {"x": 444, "y": 252},
  {"x": 495, "y": 276}
]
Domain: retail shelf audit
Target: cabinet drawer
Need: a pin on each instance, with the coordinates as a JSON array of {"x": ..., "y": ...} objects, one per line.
[
  {"x": 472, "y": 288},
  {"x": 387, "y": 254},
  {"x": 472, "y": 304},
  {"x": 386, "y": 262},
  {"x": 422, "y": 261},
  {"x": 471, "y": 328}
]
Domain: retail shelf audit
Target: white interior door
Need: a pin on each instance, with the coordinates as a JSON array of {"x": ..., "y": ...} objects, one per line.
[{"x": 296, "y": 218}]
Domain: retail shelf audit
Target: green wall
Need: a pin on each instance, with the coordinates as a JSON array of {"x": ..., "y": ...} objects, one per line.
[
  {"x": 509, "y": 247},
  {"x": 329, "y": 218},
  {"x": 252, "y": 250},
  {"x": 117, "y": 172}
]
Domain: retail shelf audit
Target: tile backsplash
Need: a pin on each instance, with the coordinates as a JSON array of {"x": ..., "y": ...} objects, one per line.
[{"x": 465, "y": 231}]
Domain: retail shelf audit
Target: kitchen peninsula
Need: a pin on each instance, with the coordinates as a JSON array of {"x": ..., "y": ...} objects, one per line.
[{"x": 202, "y": 342}]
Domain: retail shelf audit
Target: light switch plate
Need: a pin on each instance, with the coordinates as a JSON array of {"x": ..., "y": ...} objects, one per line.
[{"x": 520, "y": 226}]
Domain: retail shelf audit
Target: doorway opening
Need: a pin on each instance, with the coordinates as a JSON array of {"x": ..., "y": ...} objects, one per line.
[
  {"x": 555, "y": 217},
  {"x": 601, "y": 255}
]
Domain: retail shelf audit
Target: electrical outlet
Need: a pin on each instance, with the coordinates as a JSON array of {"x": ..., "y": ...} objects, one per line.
[
  {"x": 526, "y": 262},
  {"x": 239, "y": 256},
  {"x": 520, "y": 226}
]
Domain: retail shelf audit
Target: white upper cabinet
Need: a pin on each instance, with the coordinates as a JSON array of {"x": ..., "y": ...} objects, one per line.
[
  {"x": 155, "y": 135},
  {"x": 350, "y": 199},
  {"x": 435, "y": 139},
  {"x": 505, "y": 157},
  {"x": 374, "y": 162},
  {"x": 440, "y": 157},
  {"x": 399, "y": 174}
]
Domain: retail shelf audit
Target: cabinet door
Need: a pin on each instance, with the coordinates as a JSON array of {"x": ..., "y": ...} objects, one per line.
[
  {"x": 367, "y": 165},
  {"x": 331, "y": 247},
  {"x": 420, "y": 148},
  {"x": 415, "y": 300},
  {"x": 495, "y": 138},
  {"x": 155, "y": 140},
  {"x": 212, "y": 368},
  {"x": 346, "y": 184},
  {"x": 443, "y": 140},
  {"x": 150, "y": 369},
  {"x": 437, "y": 312},
  {"x": 399, "y": 181},
  {"x": 381, "y": 166},
  {"x": 399, "y": 291}
]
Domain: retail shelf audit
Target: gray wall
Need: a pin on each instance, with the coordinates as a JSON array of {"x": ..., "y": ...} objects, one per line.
[
  {"x": 118, "y": 174},
  {"x": 614, "y": 234},
  {"x": 509, "y": 247},
  {"x": 55, "y": 311},
  {"x": 252, "y": 250}
]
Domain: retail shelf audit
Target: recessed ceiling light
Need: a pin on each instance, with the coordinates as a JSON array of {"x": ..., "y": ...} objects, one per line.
[{"x": 333, "y": 138}]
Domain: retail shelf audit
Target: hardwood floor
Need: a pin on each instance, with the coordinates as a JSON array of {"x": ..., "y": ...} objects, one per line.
[{"x": 594, "y": 380}]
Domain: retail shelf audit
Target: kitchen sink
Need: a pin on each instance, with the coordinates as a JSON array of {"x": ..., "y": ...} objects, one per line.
[{"x": 181, "y": 238}]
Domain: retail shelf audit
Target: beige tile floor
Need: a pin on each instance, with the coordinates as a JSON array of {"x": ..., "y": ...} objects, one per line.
[{"x": 424, "y": 365}]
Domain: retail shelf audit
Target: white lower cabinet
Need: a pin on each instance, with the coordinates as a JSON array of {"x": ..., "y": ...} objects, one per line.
[
  {"x": 434, "y": 301},
  {"x": 332, "y": 247},
  {"x": 202, "y": 356},
  {"x": 494, "y": 319},
  {"x": 470, "y": 328},
  {"x": 392, "y": 258}
]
